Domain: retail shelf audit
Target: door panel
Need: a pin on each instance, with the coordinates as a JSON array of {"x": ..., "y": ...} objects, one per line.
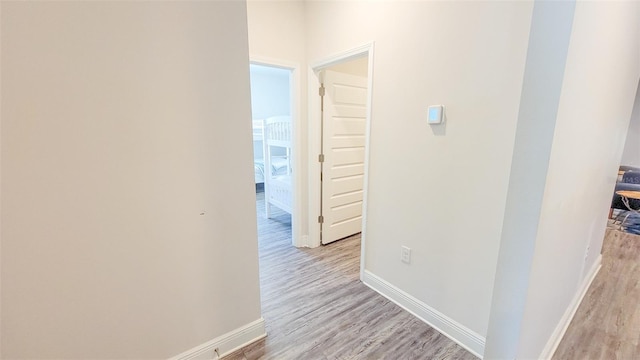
[
  {"x": 350, "y": 198},
  {"x": 344, "y": 117},
  {"x": 348, "y": 212},
  {"x": 348, "y": 126},
  {"x": 347, "y": 170},
  {"x": 352, "y": 141},
  {"x": 347, "y": 156},
  {"x": 346, "y": 93},
  {"x": 345, "y": 185}
]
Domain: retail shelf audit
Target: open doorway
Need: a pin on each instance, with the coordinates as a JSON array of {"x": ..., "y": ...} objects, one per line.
[
  {"x": 344, "y": 104},
  {"x": 357, "y": 62},
  {"x": 272, "y": 147},
  {"x": 623, "y": 214}
]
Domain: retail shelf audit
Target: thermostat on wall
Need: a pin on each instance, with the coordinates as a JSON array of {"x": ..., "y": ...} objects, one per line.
[{"x": 436, "y": 114}]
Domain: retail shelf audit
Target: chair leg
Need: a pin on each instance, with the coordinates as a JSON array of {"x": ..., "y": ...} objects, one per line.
[{"x": 610, "y": 213}]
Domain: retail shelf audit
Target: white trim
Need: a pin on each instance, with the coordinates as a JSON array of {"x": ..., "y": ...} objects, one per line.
[
  {"x": 271, "y": 62},
  {"x": 455, "y": 331},
  {"x": 563, "y": 324},
  {"x": 227, "y": 343},
  {"x": 314, "y": 142},
  {"x": 342, "y": 57},
  {"x": 367, "y": 147},
  {"x": 298, "y": 239}
]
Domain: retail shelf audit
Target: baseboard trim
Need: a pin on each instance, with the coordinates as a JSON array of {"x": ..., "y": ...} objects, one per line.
[
  {"x": 455, "y": 331},
  {"x": 563, "y": 324},
  {"x": 226, "y": 343},
  {"x": 304, "y": 242}
]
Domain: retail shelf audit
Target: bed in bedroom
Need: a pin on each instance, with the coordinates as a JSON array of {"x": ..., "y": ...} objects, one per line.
[
  {"x": 279, "y": 164},
  {"x": 258, "y": 150},
  {"x": 274, "y": 134}
]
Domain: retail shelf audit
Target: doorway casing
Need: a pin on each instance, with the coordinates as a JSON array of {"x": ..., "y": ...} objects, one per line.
[
  {"x": 297, "y": 237},
  {"x": 314, "y": 81}
]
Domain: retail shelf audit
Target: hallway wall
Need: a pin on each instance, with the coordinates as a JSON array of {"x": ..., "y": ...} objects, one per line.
[
  {"x": 439, "y": 190},
  {"x": 121, "y": 237},
  {"x": 596, "y": 101}
]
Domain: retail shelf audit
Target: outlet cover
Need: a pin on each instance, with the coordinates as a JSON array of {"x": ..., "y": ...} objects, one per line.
[{"x": 405, "y": 255}]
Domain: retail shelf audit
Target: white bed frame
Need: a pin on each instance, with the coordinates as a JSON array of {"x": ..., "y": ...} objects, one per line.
[
  {"x": 277, "y": 188},
  {"x": 258, "y": 145}
]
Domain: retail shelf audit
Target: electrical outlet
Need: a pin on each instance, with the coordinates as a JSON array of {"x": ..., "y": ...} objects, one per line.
[{"x": 405, "y": 255}]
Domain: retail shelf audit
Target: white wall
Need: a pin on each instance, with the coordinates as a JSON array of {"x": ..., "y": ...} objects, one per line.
[
  {"x": 277, "y": 31},
  {"x": 270, "y": 92},
  {"x": 544, "y": 72},
  {"x": 631, "y": 153},
  {"x": 439, "y": 190},
  {"x": 121, "y": 235},
  {"x": 596, "y": 101},
  {"x": 270, "y": 96}
]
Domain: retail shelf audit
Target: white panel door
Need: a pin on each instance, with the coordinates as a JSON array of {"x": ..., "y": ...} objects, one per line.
[{"x": 344, "y": 123}]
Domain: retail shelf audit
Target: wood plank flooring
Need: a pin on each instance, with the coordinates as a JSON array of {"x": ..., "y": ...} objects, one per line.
[
  {"x": 315, "y": 306},
  {"x": 607, "y": 323}
]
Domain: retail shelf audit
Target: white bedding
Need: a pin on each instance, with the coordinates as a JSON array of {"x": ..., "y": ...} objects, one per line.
[{"x": 278, "y": 167}]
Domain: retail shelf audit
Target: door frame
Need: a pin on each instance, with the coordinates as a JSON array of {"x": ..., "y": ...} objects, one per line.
[
  {"x": 297, "y": 238},
  {"x": 314, "y": 82}
]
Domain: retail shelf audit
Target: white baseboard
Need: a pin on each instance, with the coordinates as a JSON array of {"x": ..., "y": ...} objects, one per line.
[
  {"x": 226, "y": 344},
  {"x": 563, "y": 324},
  {"x": 304, "y": 242},
  {"x": 455, "y": 331}
]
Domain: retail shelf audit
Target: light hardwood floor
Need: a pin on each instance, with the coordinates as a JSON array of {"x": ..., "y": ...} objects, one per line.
[
  {"x": 607, "y": 323},
  {"x": 315, "y": 306}
]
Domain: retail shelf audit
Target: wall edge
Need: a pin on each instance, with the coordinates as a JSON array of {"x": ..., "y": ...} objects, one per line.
[{"x": 558, "y": 333}]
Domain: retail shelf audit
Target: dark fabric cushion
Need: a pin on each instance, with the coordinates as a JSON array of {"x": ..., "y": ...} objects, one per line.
[
  {"x": 616, "y": 202},
  {"x": 631, "y": 177}
]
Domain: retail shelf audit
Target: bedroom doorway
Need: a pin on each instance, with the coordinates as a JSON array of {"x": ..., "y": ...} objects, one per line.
[
  {"x": 342, "y": 114},
  {"x": 273, "y": 149},
  {"x": 343, "y": 129}
]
